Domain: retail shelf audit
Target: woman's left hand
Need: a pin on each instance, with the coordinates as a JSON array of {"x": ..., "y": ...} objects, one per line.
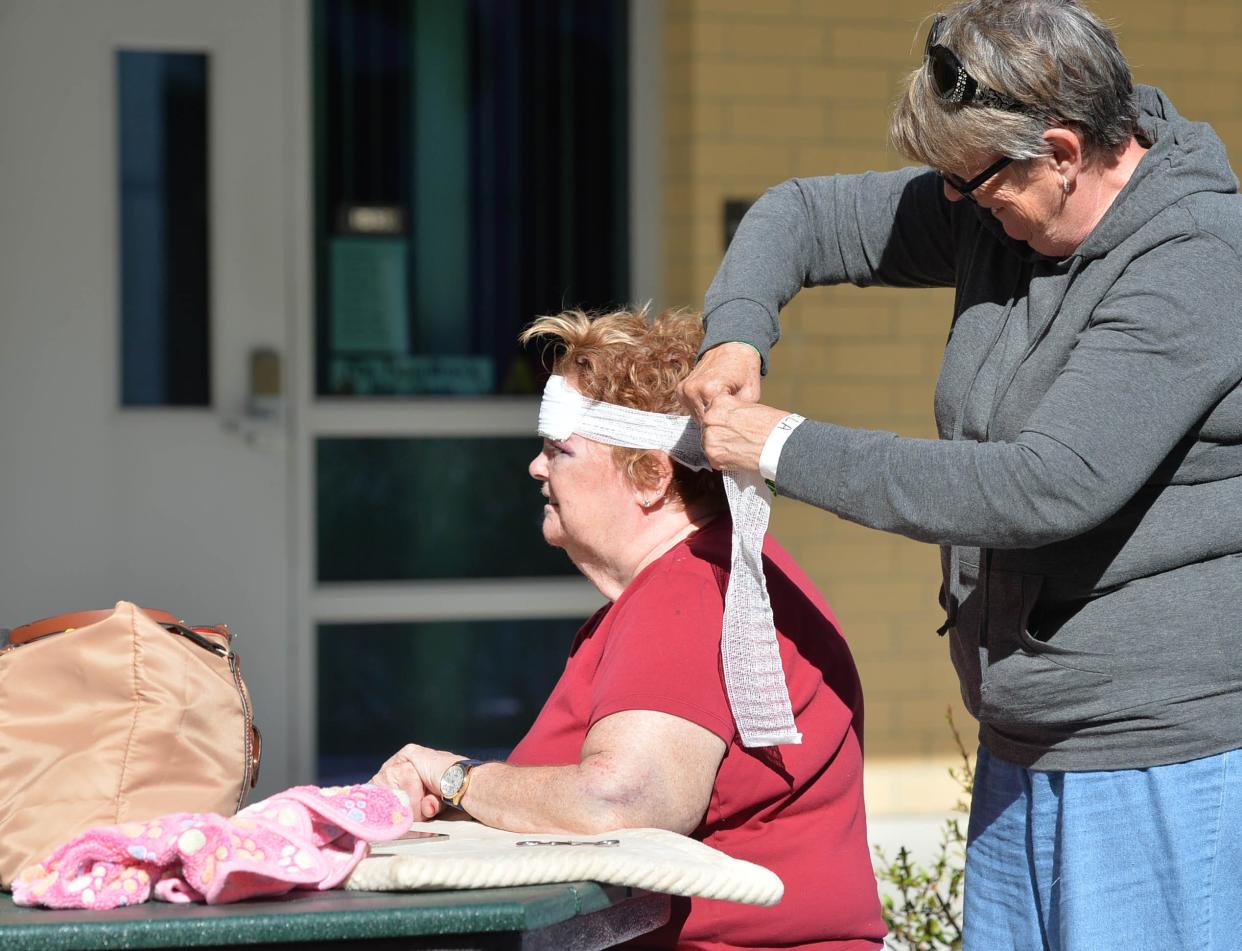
[
  {"x": 417, "y": 770},
  {"x": 734, "y": 433}
]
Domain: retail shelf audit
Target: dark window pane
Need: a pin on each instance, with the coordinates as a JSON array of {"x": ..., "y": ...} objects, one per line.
[
  {"x": 401, "y": 509},
  {"x": 162, "y": 151},
  {"x": 472, "y": 172},
  {"x": 472, "y": 687}
]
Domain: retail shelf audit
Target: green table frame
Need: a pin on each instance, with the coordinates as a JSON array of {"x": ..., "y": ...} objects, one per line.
[{"x": 579, "y": 915}]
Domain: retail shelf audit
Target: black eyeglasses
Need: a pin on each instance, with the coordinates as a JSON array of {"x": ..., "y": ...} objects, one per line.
[
  {"x": 965, "y": 188},
  {"x": 954, "y": 85}
]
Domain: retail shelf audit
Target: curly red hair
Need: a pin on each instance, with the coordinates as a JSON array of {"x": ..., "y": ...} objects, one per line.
[{"x": 632, "y": 359}]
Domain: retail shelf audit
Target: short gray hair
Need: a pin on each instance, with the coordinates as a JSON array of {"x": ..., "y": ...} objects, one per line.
[{"x": 1054, "y": 56}]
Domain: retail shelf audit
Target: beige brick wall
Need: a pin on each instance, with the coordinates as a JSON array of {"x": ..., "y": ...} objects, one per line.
[{"x": 759, "y": 90}]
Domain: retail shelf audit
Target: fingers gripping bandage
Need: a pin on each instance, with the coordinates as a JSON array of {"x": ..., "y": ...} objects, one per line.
[{"x": 754, "y": 677}]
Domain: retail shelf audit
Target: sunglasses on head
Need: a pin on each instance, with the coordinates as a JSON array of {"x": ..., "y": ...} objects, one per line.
[{"x": 953, "y": 84}]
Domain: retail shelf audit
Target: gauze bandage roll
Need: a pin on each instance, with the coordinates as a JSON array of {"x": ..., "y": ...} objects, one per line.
[{"x": 754, "y": 677}]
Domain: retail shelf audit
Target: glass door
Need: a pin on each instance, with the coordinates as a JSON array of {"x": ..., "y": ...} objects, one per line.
[{"x": 472, "y": 170}]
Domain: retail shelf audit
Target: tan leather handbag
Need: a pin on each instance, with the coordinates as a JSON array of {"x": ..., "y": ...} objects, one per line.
[{"x": 115, "y": 716}]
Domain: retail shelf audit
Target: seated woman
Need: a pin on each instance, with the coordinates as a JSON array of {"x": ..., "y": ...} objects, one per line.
[{"x": 639, "y": 731}]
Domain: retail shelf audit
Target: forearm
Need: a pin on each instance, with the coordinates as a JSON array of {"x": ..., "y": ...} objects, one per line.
[
  {"x": 879, "y": 228},
  {"x": 996, "y": 495},
  {"x": 582, "y": 798},
  {"x": 639, "y": 768}
]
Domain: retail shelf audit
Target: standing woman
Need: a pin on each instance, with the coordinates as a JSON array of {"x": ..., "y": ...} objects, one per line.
[{"x": 1086, "y": 490}]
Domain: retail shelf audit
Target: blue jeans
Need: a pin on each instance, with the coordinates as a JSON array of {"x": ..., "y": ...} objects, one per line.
[{"x": 1129, "y": 859}]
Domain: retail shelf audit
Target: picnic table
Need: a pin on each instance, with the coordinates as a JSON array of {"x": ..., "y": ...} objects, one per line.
[{"x": 578, "y": 915}]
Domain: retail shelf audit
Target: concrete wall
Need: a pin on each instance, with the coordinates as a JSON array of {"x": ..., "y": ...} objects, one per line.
[{"x": 756, "y": 92}]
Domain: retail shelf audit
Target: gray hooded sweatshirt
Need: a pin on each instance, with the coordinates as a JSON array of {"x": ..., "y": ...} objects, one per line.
[{"x": 1086, "y": 490}]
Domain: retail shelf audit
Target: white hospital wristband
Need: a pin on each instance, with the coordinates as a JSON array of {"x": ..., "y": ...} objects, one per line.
[{"x": 771, "y": 454}]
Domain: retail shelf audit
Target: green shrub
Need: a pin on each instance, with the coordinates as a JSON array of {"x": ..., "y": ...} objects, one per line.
[{"x": 926, "y": 912}]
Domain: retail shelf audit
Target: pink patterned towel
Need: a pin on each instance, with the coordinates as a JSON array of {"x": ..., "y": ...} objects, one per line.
[{"x": 305, "y": 837}]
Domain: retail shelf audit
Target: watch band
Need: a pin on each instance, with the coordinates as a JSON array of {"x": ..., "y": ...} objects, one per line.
[{"x": 454, "y": 798}]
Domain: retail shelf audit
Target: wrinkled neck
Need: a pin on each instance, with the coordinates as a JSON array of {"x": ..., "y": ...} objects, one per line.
[{"x": 612, "y": 575}]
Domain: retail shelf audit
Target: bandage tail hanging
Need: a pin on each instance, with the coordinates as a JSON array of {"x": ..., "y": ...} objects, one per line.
[{"x": 753, "y": 674}]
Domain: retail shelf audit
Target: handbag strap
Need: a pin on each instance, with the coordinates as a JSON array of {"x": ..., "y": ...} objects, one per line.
[{"x": 75, "y": 619}]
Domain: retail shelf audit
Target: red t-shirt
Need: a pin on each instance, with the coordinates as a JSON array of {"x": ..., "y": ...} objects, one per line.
[{"x": 795, "y": 809}]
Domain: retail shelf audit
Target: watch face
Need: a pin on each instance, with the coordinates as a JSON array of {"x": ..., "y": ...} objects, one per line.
[{"x": 451, "y": 781}]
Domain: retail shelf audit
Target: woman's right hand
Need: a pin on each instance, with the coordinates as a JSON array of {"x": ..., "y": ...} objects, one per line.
[
  {"x": 734, "y": 433},
  {"x": 729, "y": 368}
]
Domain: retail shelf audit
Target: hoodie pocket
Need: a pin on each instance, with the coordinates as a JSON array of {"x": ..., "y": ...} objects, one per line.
[{"x": 1028, "y": 679}]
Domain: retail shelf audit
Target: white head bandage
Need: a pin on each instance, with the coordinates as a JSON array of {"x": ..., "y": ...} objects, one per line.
[{"x": 754, "y": 677}]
